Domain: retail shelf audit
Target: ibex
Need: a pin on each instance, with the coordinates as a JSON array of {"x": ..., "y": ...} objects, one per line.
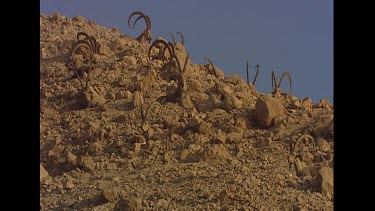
[
  {"x": 276, "y": 87},
  {"x": 146, "y": 35}
]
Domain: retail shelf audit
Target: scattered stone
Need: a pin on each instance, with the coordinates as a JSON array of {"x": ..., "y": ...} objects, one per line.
[
  {"x": 307, "y": 103},
  {"x": 234, "y": 137},
  {"x": 325, "y": 179},
  {"x": 137, "y": 148},
  {"x": 220, "y": 137},
  {"x": 43, "y": 172},
  {"x": 108, "y": 195},
  {"x": 162, "y": 204},
  {"x": 130, "y": 60},
  {"x": 95, "y": 148},
  {"x": 71, "y": 159},
  {"x": 120, "y": 119},
  {"x": 131, "y": 204},
  {"x": 79, "y": 18},
  {"x": 204, "y": 128},
  {"x": 324, "y": 103},
  {"x": 323, "y": 145},
  {"x": 88, "y": 163},
  {"x": 184, "y": 154},
  {"x": 137, "y": 100},
  {"x": 267, "y": 109},
  {"x": 69, "y": 184},
  {"x": 242, "y": 122},
  {"x": 224, "y": 197},
  {"x": 264, "y": 142}
]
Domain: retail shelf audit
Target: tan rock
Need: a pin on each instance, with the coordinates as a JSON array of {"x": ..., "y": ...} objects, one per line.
[
  {"x": 324, "y": 103},
  {"x": 69, "y": 184},
  {"x": 323, "y": 145},
  {"x": 71, "y": 158},
  {"x": 307, "y": 103},
  {"x": 136, "y": 148},
  {"x": 184, "y": 154},
  {"x": 130, "y": 60},
  {"x": 231, "y": 102},
  {"x": 88, "y": 163},
  {"x": 264, "y": 142},
  {"x": 325, "y": 179},
  {"x": 267, "y": 109},
  {"x": 204, "y": 128},
  {"x": 242, "y": 122},
  {"x": 137, "y": 100},
  {"x": 43, "y": 172},
  {"x": 234, "y": 137},
  {"x": 220, "y": 137},
  {"x": 108, "y": 195},
  {"x": 128, "y": 204}
]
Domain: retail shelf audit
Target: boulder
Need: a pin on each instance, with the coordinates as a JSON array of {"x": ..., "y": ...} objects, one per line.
[{"x": 267, "y": 109}]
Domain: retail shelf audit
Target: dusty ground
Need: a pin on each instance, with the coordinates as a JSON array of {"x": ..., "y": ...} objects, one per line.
[{"x": 215, "y": 156}]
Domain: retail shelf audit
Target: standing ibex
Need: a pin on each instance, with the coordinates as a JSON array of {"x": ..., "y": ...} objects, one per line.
[
  {"x": 162, "y": 49},
  {"x": 146, "y": 35}
]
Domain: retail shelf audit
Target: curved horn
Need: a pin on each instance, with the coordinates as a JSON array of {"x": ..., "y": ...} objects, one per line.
[
  {"x": 135, "y": 13},
  {"x": 273, "y": 81},
  {"x": 147, "y": 20},
  {"x": 290, "y": 80},
  {"x": 174, "y": 41},
  {"x": 256, "y": 74},
  {"x": 182, "y": 37},
  {"x": 206, "y": 58},
  {"x": 166, "y": 46},
  {"x": 82, "y": 43},
  {"x": 247, "y": 73}
]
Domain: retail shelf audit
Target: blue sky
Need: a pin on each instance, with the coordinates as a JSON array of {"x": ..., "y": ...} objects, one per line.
[{"x": 289, "y": 35}]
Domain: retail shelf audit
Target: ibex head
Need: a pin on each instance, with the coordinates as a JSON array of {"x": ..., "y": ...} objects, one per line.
[{"x": 146, "y": 35}]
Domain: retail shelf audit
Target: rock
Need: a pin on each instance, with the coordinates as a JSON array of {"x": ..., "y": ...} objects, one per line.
[
  {"x": 95, "y": 148},
  {"x": 224, "y": 197},
  {"x": 108, "y": 195},
  {"x": 43, "y": 172},
  {"x": 79, "y": 18},
  {"x": 242, "y": 122},
  {"x": 323, "y": 145},
  {"x": 204, "y": 128},
  {"x": 267, "y": 109},
  {"x": 88, "y": 163},
  {"x": 231, "y": 102},
  {"x": 137, "y": 100},
  {"x": 57, "y": 141},
  {"x": 137, "y": 148},
  {"x": 235, "y": 129},
  {"x": 220, "y": 137},
  {"x": 234, "y": 137},
  {"x": 120, "y": 119},
  {"x": 184, "y": 154},
  {"x": 234, "y": 79},
  {"x": 325, "y": 179},
  {"x": 186, "y": 101},
  {"x": 56, "y": 16},
  {"x": 323, "y": 125},
  {"x": 216, "y": 151},
  {"x": 218, "y": 111},
  {"x": 324, "y": 103},
  {"x": 71, "y": 159},
  {"x": 131, "y": 204},
  {"x": 162, "y": 204},
  {"x": 264, "y": 142},
  {"x": 296, "y": 103},
  {"x": 130, "y": 60},
  {"x": 69, "y": 184},
  {"x": 200, "y": 139},
  {"x": 307, "y": 103}
]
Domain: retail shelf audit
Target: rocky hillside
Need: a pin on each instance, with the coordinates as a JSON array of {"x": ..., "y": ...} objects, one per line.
[{"x": 122, "y": 131}]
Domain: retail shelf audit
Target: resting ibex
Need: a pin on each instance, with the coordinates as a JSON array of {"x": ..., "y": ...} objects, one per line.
[
  {"x": 247, "y": 73},
  {"x": 146, "y": 35},
  {"x": 276, "y": 87},
  {"x": 81, "y": 56},
  {"x": 162, "y": 49}
]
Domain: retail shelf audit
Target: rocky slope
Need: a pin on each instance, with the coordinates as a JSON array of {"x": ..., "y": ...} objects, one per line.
[{"x": 220, "y": 145}]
